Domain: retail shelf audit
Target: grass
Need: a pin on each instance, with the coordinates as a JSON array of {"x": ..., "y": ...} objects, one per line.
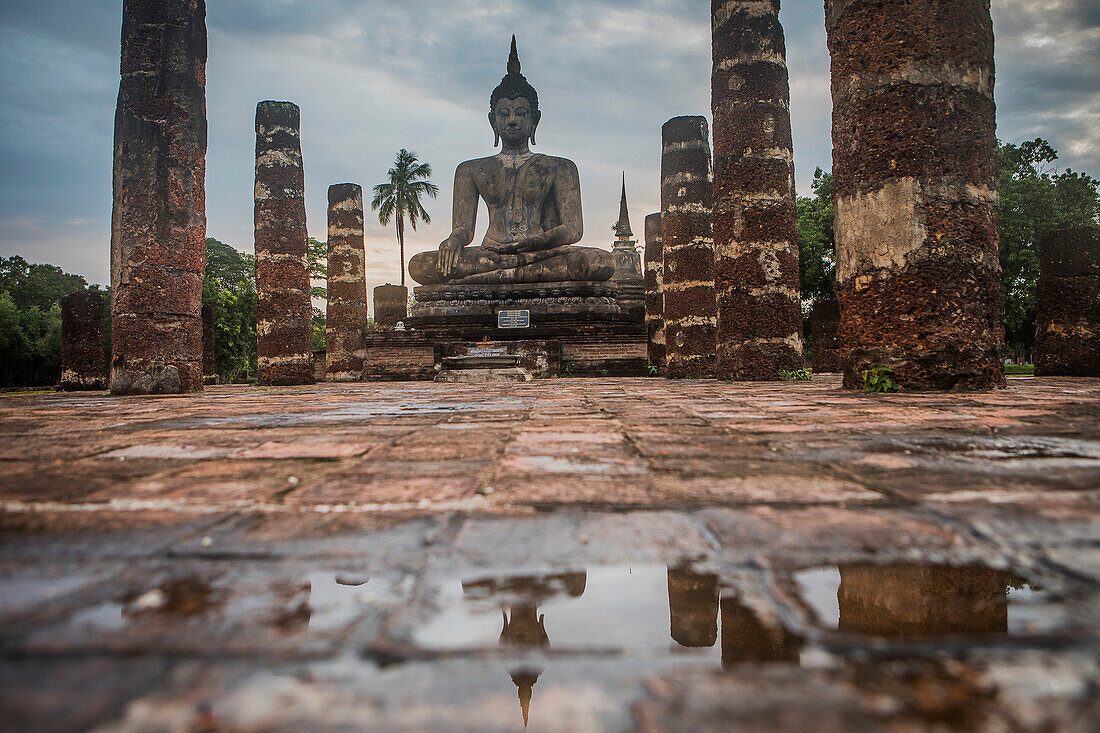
[{"x": 1020, "y": 369}]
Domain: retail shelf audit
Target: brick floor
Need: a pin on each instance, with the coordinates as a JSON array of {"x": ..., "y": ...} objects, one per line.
[{"x": 283, "y": 559}]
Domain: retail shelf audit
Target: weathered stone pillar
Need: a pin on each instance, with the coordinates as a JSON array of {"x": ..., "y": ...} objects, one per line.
[
  {"x": 347, "y": 284},
  {"x": 391, "y": 305},
  {"x": 759, "y": 325},
  {"x": 915, "y": 184},
  {"x": 158, "y": 222},
  {"x": 825, "y": 322},
  {"x": 83, "y": 341},
  {"x": 209, "y": 354},
  {"x": 1067, "y": 308},
  {"x": 284, "y": 314},
  {"x": 655, "y": 292},
  {"x": 686, "y": 197}
]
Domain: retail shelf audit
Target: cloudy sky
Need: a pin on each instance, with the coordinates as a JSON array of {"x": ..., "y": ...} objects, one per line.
[{"x": 373, "y": 76}]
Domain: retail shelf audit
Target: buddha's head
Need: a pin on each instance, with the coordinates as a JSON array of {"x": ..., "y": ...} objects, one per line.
[{"x": 514, "y": 106}]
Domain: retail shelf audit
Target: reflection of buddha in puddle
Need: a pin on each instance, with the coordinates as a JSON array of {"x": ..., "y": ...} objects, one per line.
[
  {"x": 524, "y": 627},
  {"x": 919, "y": 600}
]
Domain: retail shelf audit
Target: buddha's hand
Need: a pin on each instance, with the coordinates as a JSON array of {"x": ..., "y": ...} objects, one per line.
[
  {"x": 500, "y": 248},
  {"x": 449, "y": 250},
  {"x": 533, "y": 244}
]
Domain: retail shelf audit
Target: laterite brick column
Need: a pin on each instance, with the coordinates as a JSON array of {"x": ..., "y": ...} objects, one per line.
[
  {"x": 284, "y": 314},
  {"x": 1067, "y": 309},
  {"x": 209, "y": 355},
  {"x": 83, "y": 341},
  {"x": 158, "y": 222},
  {"x": 915, "y": 185},
  {"x": 825, "y": 322},
  {"x": 686, "y": 195},
  {"x": 347, "y": 284},
  {"x": 759, "y": 326},
  {"x": 654, "y": 292}
]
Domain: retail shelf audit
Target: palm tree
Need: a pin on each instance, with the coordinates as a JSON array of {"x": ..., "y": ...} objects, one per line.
[{"x": 401, "y": 196}]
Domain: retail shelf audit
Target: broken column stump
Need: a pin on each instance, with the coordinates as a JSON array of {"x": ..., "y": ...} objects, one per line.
[
  {"x": 391, "y": 305},
  {"x": 825, "y": 321},
  {"x": 654, "y": 293},
  {"x": 158, "y": 220},
  {"x": 915, "y": 184},
  {"x": 1067, "y": 304},
  {"x": 759, "y": 312},
  {"x": 284, "y": 313},
  {"x": 346, "y": 316},
  {"x": 83, "y": 342},
  {"x": 686, "y": 196}
]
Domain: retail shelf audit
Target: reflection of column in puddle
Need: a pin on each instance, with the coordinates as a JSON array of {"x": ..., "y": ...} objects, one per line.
[
  {"x": 524, "y": 627},
  {"x": 746, "y": 639},
  {"x": 692, "y": 608},
  {"x": 922, "y": 600}
]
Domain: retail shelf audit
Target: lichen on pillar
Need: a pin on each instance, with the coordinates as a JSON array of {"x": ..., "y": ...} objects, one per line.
[
  {"x": 915, "y": 186},
  {"x": 759, "y": 315},
  {"x": 654, "y": 293},
  {"x": 284, "y": 313},
  {"x": 158, "y": 220},
  {"x": 346, "y": 316},
  {"x": 1067, "y": 303},
  {"x": 686, "y": 197},
  {"x": 83, "y": 341}
]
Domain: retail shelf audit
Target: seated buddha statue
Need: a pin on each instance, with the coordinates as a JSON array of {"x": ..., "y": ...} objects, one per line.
[{"x": 534, "y": 204}]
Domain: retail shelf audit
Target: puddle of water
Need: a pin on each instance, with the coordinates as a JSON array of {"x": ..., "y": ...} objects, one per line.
[
  {"x": 648, "y": 611},
  {"x": 26, "y": 593},
  {"x": 910, "y": 600},
  {"x": 318, "y": 602}
]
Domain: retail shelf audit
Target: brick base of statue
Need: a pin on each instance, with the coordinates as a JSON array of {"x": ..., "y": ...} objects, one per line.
[
  {"x": 546, "y": 302},
  {"x": 568, "y": 329}
]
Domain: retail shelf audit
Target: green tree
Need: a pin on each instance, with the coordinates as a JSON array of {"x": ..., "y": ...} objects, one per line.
[
  {"x": 317, "y": 266},
  {"x": 318, "y": 329},
  {"x": 230, "y": 287},
  {"x": 816, "y": 246},
  {"x": 399, "y": 198},
  {"x": 1034, "y": 200},
  {"x": 36, "y": 285}
]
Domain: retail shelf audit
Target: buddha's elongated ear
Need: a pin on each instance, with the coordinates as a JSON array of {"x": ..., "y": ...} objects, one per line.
[
  {"x": 538, "y": 117},
  {"x": 496, "y": 135}
]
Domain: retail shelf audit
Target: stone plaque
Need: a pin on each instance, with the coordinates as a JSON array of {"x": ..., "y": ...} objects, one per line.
[
  {"x": 483, "y": 350},
  {"x": 514, "y": 319}
]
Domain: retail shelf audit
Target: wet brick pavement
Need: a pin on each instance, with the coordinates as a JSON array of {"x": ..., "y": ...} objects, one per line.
[{"x": 617, "y": 554}]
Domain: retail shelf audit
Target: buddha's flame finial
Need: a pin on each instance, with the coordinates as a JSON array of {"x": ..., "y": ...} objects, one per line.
[{"x": 513, "y": 58}]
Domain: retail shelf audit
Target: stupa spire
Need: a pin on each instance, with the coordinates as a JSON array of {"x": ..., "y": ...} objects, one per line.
[{"x": 622, "y": 227}]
